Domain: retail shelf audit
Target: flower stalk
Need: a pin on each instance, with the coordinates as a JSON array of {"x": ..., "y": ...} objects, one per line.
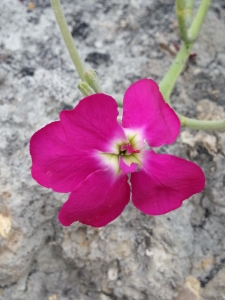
[
  {"x": 68, "y": 39},
  {"x": 189, "y": 36},
  {"x": 182, "y": 18},
  {"x": 189, "y": 10},
  {"x": 196, "y": 25},
  {"x": 168, "y": 82},
  {"x": 202, "y": 124}
]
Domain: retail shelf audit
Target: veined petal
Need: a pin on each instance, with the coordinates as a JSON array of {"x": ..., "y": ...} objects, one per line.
[
  {"x": 98, "y": 200},
  {"x": 144, "y": 109},
  {"x": 164, "y": 182},
  {"x": 57, "y": 165},
  {"x": 92, "y": 124}
]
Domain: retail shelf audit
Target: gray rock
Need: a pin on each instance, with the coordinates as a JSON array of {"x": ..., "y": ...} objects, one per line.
[{"x": 136, "y": 257}]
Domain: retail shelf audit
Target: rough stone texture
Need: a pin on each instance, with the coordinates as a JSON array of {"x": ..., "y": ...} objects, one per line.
[{"x": 136, "y": 257}]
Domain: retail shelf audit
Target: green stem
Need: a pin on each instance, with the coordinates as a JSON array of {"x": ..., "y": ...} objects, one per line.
[
  {"x": 196, "y": 25},
  {"x": 68, "y": 39},
  {"x": 181, "y": 12},
  {"x": 189, "y": 7},
  {"x": 167, "y": 83},
  {"x": 202, "y": 124}
]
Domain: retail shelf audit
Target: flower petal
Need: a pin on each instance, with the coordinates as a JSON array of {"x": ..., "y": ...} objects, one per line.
[
  {"x": 145, "y": 109},
  {"x": 98, "y": 200},
  {"x": 164, "y": 182},
  {"x": 92, "y": 124},
  {"x": 127, "y": 168},
  {"x": 57, "y": 165}
]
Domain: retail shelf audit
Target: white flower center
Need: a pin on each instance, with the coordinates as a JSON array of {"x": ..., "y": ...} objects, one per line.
[{"x": 131, "y": 152}]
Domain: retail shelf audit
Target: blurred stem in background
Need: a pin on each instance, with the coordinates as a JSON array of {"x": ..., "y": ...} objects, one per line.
[
  {"x": 68, "y": 39},
  {"x": 90, "y": 83},
  {"x": 184, "y": 10},
  {"x": 170, "y": 78},
  {"x": 189, "y": 8},
  {"x": 188, "y": 34}
]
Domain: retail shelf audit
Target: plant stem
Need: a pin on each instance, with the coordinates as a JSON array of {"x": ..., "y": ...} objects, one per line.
[
  {"x": 196, "y": 25},
  {"x": 167, "y": 83},
  {"x": 68, "y": 39},
  {"x": 202, "y": 124},
  {"x": 181, "y": 12},
  {"x": 189, "y": 7}
]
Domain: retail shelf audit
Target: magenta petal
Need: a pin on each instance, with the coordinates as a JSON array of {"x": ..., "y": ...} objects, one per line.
[
  {"x": 92, "y": 124},
  {"x": 164, "y": 182},
  {"x": 125, "y": 168},
  {"x": 145, "y": 109},
  {"x": 57, "y": 165},
  {"x": 97, "y": 201}
]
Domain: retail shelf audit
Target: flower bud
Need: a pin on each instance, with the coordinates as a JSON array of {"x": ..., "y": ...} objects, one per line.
[
  {"x": 85, "y": 89},
  {"x": 91, "y": 78}
]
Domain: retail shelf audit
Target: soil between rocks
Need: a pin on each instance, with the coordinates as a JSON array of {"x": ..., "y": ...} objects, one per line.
[{"x": 177, "y": 256}]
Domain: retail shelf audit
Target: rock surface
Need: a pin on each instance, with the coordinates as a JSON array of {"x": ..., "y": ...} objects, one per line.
[{"x": 136, "y": 257}]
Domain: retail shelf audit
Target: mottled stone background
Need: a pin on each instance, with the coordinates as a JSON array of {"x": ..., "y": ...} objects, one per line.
[{"x": 178, "y": 256}]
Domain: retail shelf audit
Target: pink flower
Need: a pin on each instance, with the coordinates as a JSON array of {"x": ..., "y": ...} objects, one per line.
[{"x": 89, "y": 154}]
